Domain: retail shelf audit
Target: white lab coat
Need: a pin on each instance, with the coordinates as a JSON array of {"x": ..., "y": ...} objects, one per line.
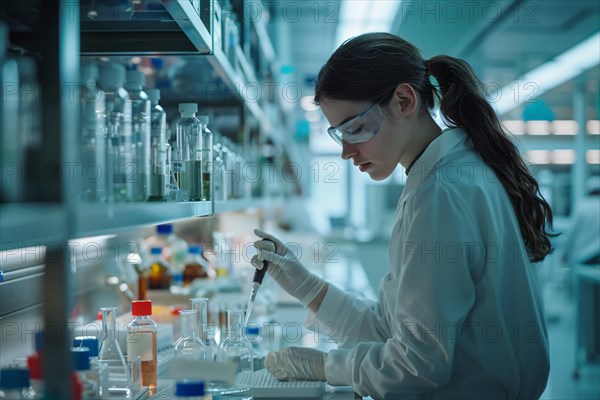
[{"x": 459, "y": 315}]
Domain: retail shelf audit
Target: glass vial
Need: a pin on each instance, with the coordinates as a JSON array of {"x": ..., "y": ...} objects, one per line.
[
  {"x": 93, "y": 132},
  {"x": 141, "y": 341},
  {"x": 238, "y": 350},
  {"x": 207, "y": 159},
  {"x": 140, "y": 112},
  {"x": 119, "y": 142},
  {"x": 158, "y": 142},
  {"x": 189, "y": 346},
  {"x": 187, "y": 162}
]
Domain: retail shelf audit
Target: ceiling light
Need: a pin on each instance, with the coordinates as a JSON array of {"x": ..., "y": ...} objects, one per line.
[
  {"x": 538, "y": 127},
  {"x": 308, "y": 104},
  {"x": 593, "y": 127},
  {"x": 592, "y": 156},
  {"x": 549, "y": 75},
  {"x": 565, "y": 127},
  {"x": 566, "y": 156},
  {"x": 516, "y": 127},
  {"x": 362, "y": 16},
  {"x": 539, "y": 156}
]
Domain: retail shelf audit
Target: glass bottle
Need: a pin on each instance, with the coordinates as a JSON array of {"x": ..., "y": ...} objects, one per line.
[
  {"x": 140, "y": 112},
  {"x": 158, "y": 142},
  {"x": 238, "y": 350},
  {"x": 141, "y": 341},
  {"x": 189, "y": 346},
  {"x": 14, "y": 384},
  {"x": 119, "y": 141},
  {"x": 159, "y": 276},
  {"x": 93, "y": 132},
  {"x": 187, "y": 162},
  {"x": 207, "y": 159},
  {"x": 205, "y": 332},
  {"x": 195, "y": 266}
]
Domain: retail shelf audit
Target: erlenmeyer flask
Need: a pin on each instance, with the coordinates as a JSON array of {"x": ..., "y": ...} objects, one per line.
[
  {"x": 189, "y": 346},
  {"x": 200, "y": 305},
  {"x": 109, "y": 348},
  {"x": 238, "y": 350}
]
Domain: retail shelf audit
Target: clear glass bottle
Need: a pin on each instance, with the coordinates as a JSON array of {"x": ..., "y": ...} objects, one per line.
[
  {"x": 88, "y": 378},
  {"x": 142, "y": 339},
  {"x": 93, "y": 135},
  {"x": 14, "y": 384},
  {"x": 140, "y": 112},
  {"x": 187, "y": 163},
  {"x": 218, "y": 172},
  {"x": 207, "y": 159},
  {"x": 189, "y": 346},
  {"x": 238, "y": 350},
  {"x": 121, "y": 167},
  {"x": 174, "y": 248},
  {"x": 205, "y": 332},
  {"x": 158, "y": 143}
]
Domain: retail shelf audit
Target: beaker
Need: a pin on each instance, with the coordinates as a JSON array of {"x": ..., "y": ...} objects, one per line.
[{"x": 200, "y": 306}]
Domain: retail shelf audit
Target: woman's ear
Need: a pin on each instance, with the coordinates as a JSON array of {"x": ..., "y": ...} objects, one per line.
[{"x": 406, "y": 97}]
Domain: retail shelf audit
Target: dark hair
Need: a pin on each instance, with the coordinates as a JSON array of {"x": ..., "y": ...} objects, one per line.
[{"x": 370, "y": 67}]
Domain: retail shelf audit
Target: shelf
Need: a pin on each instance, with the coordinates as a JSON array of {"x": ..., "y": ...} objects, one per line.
[
  {"x": 98, "y": 218},
  {"x": 176, "y": 31},
  {"x": 26, "y": 225},
  {"x": 236, "y": 205}
]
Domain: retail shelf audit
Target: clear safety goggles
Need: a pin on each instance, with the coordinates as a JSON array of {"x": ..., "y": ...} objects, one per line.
[{"x": 360, "y": 128}]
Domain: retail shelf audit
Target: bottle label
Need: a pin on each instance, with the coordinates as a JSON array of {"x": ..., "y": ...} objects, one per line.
[
  {"x": 139, "y": 344},
  {"x": 177, "y": 167}
]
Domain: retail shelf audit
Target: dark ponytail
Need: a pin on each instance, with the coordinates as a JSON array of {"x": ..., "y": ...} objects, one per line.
[{"x": 370, "y": 67}]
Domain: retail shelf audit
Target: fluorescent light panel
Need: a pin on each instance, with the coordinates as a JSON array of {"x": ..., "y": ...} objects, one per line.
[
  {"x": 563, "y": 68},
  {"x": 361, "y": 16}
]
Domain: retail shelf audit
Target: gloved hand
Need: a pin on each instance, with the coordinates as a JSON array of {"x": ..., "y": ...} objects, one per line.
[
  {"x": 297, "y": 363},
  {"x": 286, "y": 269}
]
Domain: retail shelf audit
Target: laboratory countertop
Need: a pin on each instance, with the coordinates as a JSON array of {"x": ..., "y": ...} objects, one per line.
[{"x": 286, "y": 324}]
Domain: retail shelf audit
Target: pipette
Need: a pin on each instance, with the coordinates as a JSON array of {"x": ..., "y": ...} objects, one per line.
[{"x": 259, "y": 274}]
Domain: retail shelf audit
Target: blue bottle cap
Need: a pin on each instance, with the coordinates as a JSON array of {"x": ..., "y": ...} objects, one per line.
[
  {"x": 164, "y": 228},
  {"x": 91, "y": 342},
  {"x": 194, "y": 249},
  {"x": 81, "y": 358},
  {"x": 39, "y": 341},
  {"x": 252, "y": 330},
  {"x": 155, "y": 250},
  {"x": 189, "y": 388},
  {"x": 14, "y": 378}
]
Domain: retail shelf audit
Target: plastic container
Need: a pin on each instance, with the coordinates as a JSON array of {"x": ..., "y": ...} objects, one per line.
[
  {"x": 141, "y": 341},
  {"x": 190, "y": 390},
  {"x": 174, "y": 249},
  {"x": 159, "y": 276}
]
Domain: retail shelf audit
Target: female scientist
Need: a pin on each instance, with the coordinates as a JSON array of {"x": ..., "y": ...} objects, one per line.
[{"x": 459, "y": 314}]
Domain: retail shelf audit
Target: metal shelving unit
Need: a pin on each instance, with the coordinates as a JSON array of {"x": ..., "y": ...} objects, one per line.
[{"x": 34, "y": 224}]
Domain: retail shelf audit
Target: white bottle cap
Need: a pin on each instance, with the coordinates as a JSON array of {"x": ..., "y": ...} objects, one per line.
[
  {"x": 111, "y": 76},
  {"x": 153, "y": 95},
  {"x": 136, "y": 78},
  {"x": 203, "y": 119},
  {"x": 188, "y": 108}
]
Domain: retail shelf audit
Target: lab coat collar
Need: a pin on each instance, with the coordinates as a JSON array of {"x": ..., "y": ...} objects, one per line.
[{"x": 426, "y": 164}]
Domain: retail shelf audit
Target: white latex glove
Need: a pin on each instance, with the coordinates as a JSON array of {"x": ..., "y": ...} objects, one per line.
[
  {"x": 297, "y": 363},
  {"x": 286, "y": 269}
]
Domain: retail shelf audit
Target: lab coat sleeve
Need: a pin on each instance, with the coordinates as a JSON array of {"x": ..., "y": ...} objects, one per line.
[
  {"x": 428, "y": 292},
  {"x": 348, "y": 320}
]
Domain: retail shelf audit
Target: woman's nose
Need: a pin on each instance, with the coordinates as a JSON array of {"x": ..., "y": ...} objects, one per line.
[{"x": 348, "y": 150}]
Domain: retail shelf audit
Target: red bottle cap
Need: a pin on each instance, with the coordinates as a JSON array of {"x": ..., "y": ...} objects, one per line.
[
  {"x": 34, "y": 362},
  {"x": 141, "y": 308}
]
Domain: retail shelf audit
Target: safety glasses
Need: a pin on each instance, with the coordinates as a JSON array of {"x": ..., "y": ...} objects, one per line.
[{"x": 360, "y": 128}]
